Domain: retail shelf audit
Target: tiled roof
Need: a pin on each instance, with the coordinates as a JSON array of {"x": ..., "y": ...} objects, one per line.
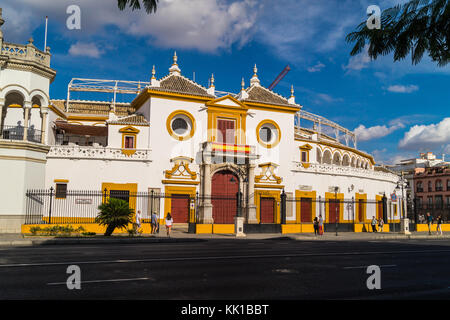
[
  {"x": 94, "y": 107},
  {"x": 135, "y": 119},
  {"x": 179, "y": 84},
  {"x": 261, "y": 94}
]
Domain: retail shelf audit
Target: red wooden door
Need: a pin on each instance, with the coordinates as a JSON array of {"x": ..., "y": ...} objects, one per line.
[
  {"x": 380, "y": 210},
  {"x": 361, "y": 210},
  {"x": 267, "y": 210},
  {"x": 180, "y": 208},
  {"x": 225, "y": 186},
  {"x": 333, "y": 211},
  {"x": 306, "y": 210},
  {"x": 225, "y": 132}
]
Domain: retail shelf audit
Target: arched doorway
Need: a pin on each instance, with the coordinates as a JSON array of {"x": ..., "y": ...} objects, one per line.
[{"x": 224, "y": 188}]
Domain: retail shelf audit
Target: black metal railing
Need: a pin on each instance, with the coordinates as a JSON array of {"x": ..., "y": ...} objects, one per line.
[{"x": 17, "y": 133}]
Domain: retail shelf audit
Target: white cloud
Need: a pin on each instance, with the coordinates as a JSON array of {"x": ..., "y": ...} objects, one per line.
[
  {"x": 375, "y": 132},
  {"x": 85, "y": 49},
  {"x": 316, "y": 68},
  {"x": 206, "y": 25},
  {"x": 402, "y": 89},
  {"x": 358, "y": 62},
  {"x": 427, "y": 137}
]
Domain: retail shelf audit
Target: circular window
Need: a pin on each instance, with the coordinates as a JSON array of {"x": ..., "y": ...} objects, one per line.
[
  {"x": 268, "y": 133},
  {"x": 265, "y": 133},
  {"x": 181, "y": 125}
]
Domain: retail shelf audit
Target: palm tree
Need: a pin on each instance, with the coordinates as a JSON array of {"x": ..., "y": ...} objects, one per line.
[
  {"x": 114, "y": 214},
  {"x": 149, "y": 5},
  {"x": 415, "y": 27}
]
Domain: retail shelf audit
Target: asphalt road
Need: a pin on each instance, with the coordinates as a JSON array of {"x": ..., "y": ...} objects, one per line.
[{"x": 229, "y": 269}]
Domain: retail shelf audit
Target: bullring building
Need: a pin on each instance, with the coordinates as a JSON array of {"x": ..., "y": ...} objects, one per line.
[{"x": 204, "y": 155}]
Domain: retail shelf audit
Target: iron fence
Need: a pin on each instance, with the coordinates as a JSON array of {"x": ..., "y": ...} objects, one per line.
[{"x": 73, "y": 207}]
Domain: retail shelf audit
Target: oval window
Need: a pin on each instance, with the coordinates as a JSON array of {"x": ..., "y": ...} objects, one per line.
[
  {"x": 179, "y": 126},
  {"x": 265, "y": 133}
]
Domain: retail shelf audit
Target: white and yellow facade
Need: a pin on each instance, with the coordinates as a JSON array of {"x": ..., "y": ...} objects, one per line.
[{"x": 177, "y": 135}]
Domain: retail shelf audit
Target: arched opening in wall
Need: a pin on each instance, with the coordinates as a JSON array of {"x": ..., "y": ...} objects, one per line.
[
  {"x": 337, "y": 159},
  {"x": 358, "y": 163},
  {"x": 353, "y": 162},
  {"x": 319, "y": 156},
  {"x": 12, "y": 121},
  {"x": 326, "y": 157},
  {"x": 346, "y": 160},
  {"x": 224, "y": 189}
]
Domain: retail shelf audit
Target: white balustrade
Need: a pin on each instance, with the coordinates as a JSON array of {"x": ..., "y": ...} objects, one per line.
[
  {"x": 25, "y": 52},
  {"x": 97, "y": 153},
  {"x": 344, "y": 171}
]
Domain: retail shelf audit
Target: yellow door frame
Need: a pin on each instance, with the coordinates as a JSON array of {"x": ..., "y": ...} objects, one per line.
[
  {"x": 330, "y": 196},
  {"x": 304, "y": 194},
  {"x": 276, "y": 194}
]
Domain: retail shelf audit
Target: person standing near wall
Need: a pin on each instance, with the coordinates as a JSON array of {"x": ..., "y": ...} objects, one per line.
[
  {"x": 439, "y": 225},
  {"x": 374, "y": 224},
  {"x": 429, "y": 222},
  {"x": 320, "y": 225},
  {"x": 169, "y": 222}
]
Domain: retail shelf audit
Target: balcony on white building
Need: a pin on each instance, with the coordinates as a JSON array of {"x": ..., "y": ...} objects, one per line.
[
  {"x": 339, "y": 170},
  {"x": 97, "y": 152}
]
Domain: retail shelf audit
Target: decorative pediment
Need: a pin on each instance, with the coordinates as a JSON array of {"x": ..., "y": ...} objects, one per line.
[
  {"x": 129, "y": 129},
  {"x": 180, "y": 169},
  {"x": 268, "y": 174},
  {"x": 227, "y": 101}
]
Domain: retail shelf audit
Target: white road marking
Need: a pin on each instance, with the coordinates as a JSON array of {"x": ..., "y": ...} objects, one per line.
[
  {"x": 99, "y": 281},
  {"x": 364, "y": 267},
  {"x": 292, "y": 255}
]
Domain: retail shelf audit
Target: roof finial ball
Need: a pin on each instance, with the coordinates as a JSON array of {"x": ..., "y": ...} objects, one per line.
[
  {"x": 291, "y": 99},
  {"x": 254, "y": 81},
  {"x": 175, "y": 58},
  {"x": 212, "y": 80},
  {"x": 174, "y": 69},
  {"x": 153, "y": 72}
]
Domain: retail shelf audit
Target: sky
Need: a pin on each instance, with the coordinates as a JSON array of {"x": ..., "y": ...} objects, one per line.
[{"x": 397, "y": 109}]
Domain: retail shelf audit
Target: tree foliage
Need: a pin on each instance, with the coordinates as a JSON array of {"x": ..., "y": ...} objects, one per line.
[
  {"x": 416, "y": 27},
  {"x": 149, "y": 5},
  {"x": 115, "y": 213}
]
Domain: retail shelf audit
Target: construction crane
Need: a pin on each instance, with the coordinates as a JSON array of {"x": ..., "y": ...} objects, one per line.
[{"x": 280, "y": 76}]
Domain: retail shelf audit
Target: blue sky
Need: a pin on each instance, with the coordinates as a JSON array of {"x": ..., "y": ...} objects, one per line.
[{"x": 397, "y": 109}]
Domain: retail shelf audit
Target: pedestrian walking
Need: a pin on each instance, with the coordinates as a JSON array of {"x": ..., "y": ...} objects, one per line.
[
  {"x": 169, "y": 222},
  {"x": 374, "y": 224},
  {"x": 138, "y": 220},
  {"x": 316, "y": 226},
  {"x": 380, "y": 225},
  {"x": 154, "y": 222},
  {"x": 320, "y": 225},
  {"x": 429, "y": 222},
  {"x": 439, "y": 225}
]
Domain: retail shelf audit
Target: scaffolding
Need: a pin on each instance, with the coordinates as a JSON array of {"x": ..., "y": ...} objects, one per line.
[
  {"x": 319, "y": 121},
  {"x": 105, "y": 86}
]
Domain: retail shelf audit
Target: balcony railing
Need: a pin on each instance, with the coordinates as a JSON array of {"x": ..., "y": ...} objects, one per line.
[
  {"x": 17, "y": 133},
  {"x": 98, "y": 153},
  {"x": 344, "y": 171},
  {"x": 25, "y": 52}
]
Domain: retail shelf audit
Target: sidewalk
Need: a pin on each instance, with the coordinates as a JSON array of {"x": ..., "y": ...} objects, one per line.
[{"x": 181, "y": 236}]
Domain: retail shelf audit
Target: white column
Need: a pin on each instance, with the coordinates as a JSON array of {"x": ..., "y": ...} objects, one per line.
[
  {"x": 2, "y": 104},
  {"x": 27, "y": 108},
  {"x": 251, "y": 214},
  {"x": 44, "y": 112},
  {"x": 206, "y": 207}
]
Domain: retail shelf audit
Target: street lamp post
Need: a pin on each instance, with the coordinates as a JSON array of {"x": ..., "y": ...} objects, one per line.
[{"x": 336, "y": 208}]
